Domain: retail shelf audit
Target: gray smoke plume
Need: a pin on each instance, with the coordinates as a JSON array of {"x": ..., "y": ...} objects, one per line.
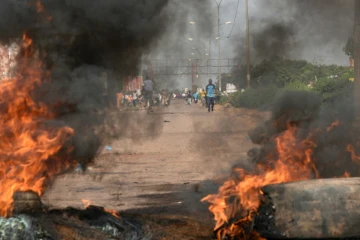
[
  {"x": 175, "y": 44},
  {"x": 309, "y": 29}
]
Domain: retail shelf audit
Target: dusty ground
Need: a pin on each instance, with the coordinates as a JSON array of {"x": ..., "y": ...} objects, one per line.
[{"x": 161, "y": 163}]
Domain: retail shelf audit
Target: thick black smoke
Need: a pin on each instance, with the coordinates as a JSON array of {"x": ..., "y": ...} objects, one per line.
[
  {"x": 81, "y": 43},
  {"x": 275, "y": 40},
  {"x": 296, "y": 29},
  {"x": 331, "y": 134},
  {"x": 315, "y": 139}
]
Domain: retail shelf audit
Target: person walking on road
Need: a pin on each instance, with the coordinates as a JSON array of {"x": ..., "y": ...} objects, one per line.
[
  {"x": 203, "y": 98},
  {"x": 134, "y": 98},
  {"x": 210, "y": 95},
  {"x": 148, "y": 87},
  {"x": 189, "y": 98},
  {"x": 163, "y": 97},
  {"x": 196, "y": 96}
]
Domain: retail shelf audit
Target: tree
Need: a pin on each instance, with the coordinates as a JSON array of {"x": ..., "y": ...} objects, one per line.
[
  {"x": 357, "y": 60},
  {"x": 349, "y": 47}
]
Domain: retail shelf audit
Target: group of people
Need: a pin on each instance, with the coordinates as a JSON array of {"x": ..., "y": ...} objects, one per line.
[
  {"x": 164, "y": 97},
  {"x": 148, "y": 97},
  {"x": 129, "y": 98},
  {"x": 207, "y": 94}
]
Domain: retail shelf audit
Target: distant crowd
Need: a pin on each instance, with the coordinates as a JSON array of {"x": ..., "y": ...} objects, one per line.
[
  {"x": 148, "y": 97},
  {"x": 206, "y": 97},
  {"x": 137, "y": 99}
]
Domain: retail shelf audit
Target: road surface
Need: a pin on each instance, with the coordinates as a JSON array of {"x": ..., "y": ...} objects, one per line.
[{"x": 160, "y": 159}]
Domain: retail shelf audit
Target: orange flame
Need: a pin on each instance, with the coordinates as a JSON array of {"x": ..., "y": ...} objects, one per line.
[
  {"x": 41, "y": 9},
  {"x": 351, "y": 150},
  {"x": 28, "y": 146},
  {"x": 39, "y": 6},
  {"x": 333, "y": 125},
  {"x": 87, "y": 204},
  {"x": 293, "y": 163}
]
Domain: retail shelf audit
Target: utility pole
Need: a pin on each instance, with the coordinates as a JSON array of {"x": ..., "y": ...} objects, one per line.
[
  {"x": 192, "y": 77},
  {"x": 219, "y": 47},
  {"x": 248, "y": 76},
  {"x": 219, "y": 61},
  {"x": 357, "y": 62},
  {"x": 210, "y": 56}
]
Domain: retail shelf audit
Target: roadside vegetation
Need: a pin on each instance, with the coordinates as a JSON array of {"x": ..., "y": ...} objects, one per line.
[{"x": 271, "y": 77}]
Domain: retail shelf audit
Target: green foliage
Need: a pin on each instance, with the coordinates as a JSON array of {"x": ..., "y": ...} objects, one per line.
[
  {"x": 225, "y": 99},
  {"x": 254, "y": 98},
  {"x": 273, "y": 76},
  {"x": 283, "y": 71},
  {"x": 296, "y": 85},
  {"x": 333, "y": 89}
]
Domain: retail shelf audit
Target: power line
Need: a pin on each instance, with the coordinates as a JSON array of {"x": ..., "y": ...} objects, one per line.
[{"x": 237, "y": 7}]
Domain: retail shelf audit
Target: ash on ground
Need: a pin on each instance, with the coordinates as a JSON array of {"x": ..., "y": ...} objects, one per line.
[{"x": 70, "y": 223}]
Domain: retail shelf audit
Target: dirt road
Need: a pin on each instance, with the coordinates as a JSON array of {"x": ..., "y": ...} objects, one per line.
[{"x": 187, "y": 146}]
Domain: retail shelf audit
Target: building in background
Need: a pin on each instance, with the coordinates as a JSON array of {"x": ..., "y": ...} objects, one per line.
[{"x": 133, "y": 83}]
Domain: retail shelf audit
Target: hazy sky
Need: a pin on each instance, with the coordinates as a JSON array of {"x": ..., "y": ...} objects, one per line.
[
  {"x": 309, "y": 43},
  {"x": 312, "y": 32}
]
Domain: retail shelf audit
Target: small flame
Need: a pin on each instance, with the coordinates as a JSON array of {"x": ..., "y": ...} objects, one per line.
[
  {"x": 351, "y": 150},
  {"x": 113, "y": 212},
  {"x": 41, "y": 10},
  {"x": 333, "y": 125},
  {"x": 87, "y": 204},
  {"x": 39, "y": 6}
]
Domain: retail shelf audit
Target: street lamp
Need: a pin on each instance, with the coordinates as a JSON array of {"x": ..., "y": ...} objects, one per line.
[
  {"x": 219, "y": 52},
  {"x": 209, "y": 49},
  {"x": 248, "y": 76}
]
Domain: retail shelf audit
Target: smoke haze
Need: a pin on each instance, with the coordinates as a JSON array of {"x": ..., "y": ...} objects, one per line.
[
  {"x": 313, "y": 30},
  {"x": 82, "y": 44}
]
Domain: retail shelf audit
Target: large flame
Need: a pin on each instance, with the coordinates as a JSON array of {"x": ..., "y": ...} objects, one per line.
[
  {"x": 29, "y": 146},
  {"x": 240, "y": 198}
]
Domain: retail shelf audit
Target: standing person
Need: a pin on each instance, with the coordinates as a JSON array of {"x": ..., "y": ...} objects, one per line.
[
  {"x": 163, "y": 97},
  {"x": 148, "y": 87},
  {"x": 129, "y": 99},
  {"x": 189, "y": 97},
  {"x": 134, "y": 98},
  {"x": 168, "y": 99},
  {"x": 210, "y": 95},
  {"x": 203, "y": 96},
  {"x": 196, "y": 97},
  {"x": 119, "y": 99}
]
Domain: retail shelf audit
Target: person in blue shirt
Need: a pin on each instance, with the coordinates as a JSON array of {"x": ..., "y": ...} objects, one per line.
[
  {"x": 210, "y": 95},
  {"x": 196, "y": 96}
]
